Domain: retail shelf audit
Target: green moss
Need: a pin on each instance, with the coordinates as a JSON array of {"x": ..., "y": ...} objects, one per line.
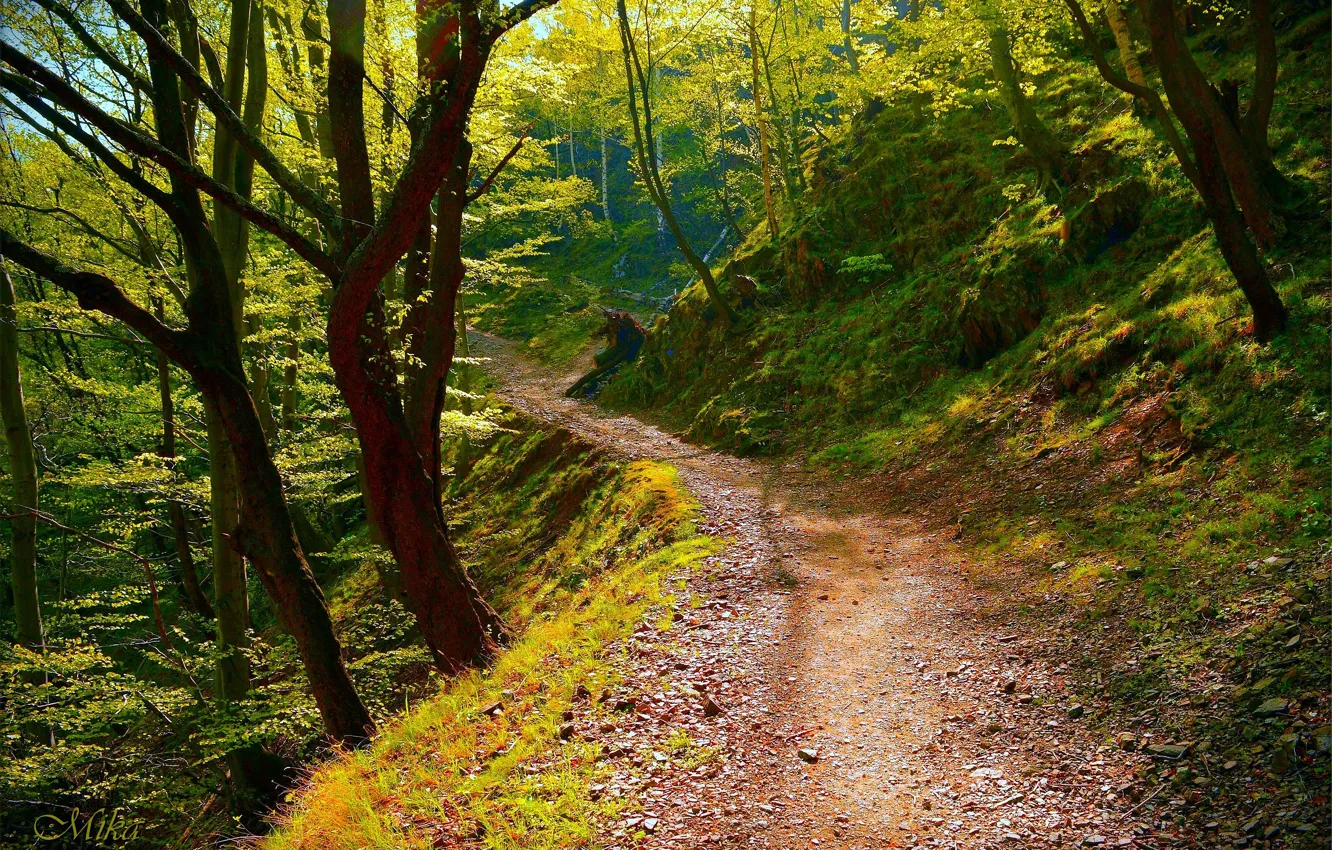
[{"x": 444, "y": 771}]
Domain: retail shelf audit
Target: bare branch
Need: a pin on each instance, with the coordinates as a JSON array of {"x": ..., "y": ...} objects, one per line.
[
  {"x": 94, "y": 46},
  {"x": 100, "y": 293},
  {"x": 137, "y": 142},
  {"x": 495, "y": 172},
  {"x": 125, "y": 340},
  {"x": 1149, "y": 95},
  {"x": 118, "y": 244},
  {"x": 32, "y": 94},
  {"x": 245, "y": 137}
]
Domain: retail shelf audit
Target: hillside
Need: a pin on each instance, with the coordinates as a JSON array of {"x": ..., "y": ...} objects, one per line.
[
  {"x": 691, "y": 425},
  {"x": 1068, "y": 384}
]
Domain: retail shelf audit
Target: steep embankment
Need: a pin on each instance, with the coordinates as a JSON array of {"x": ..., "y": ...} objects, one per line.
[
  {"x": 1073, "y": 389},
  {"x": 837, "y": 673},
  {"x": 573, "y": 547}
]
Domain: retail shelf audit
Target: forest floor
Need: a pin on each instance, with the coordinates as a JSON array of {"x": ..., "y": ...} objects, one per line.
[{"x": 854, "y": 687}]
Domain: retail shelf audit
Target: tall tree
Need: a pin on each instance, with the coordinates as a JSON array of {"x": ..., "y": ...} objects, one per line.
[
  {"x": 1228, "y": 182},
  {"x": 646, "y": 151},
  {"x": 761, "y": 122},
  {"x": 1048, "y": 153},
  {"x": 207, "y": 348},
  {"x": 23, "y": 472}
]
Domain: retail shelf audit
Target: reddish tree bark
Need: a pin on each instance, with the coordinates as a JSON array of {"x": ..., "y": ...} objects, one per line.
[
  {"x": 207, "y": 349},
  {"x": 1224, "y": 171},
  {"x": 399, "y": 440},
  {"x": 457, "y": 624}
]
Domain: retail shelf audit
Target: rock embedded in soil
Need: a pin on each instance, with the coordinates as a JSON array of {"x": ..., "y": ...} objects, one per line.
[
  {"x": 1273, "y": 706},
  {"x": 1169, "y": 751}
]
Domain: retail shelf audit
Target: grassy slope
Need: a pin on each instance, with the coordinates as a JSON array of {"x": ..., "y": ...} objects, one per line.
[
  {"x": 572, "y": 549},
  {"x": 1124, "y": 457}
]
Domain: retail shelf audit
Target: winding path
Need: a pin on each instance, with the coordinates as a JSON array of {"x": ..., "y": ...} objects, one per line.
[{"x": 865, "y": 703}]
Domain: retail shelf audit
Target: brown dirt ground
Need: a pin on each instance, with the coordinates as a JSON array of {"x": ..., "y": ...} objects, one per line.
[
  {"x": 855, "y": 636},
  {"x": 933, "y": 696}
]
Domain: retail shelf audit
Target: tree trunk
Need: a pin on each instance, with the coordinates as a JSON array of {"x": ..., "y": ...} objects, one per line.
[
  {"x": 290, "y": 371},
  {"x": 645, "y": 148},
  {"x": 1255, "y": 122},
  {"x": 457, "y": 624},
  {"x": 605, "y": 183},
  {"x": 193, "y": 594},
  {"x": 259, "y": 380},
  {"x": 1189, "y": 94},
  {"x": 1128, "y": 52},
  {"x": 1046, "y": 151},
  {"x": 573, "y": 165},
  {"x": 264, "y": 533},
  {"x": 267, "y": 537},
  {"x": 783, "y": 144},
  {"x": 231, "y": 600},
  {"x": 234, "y": 168},
  {"x": 23, "y": 475},
  {"x": 851, "y": 58},
  {"x": 765, "y": 169}
]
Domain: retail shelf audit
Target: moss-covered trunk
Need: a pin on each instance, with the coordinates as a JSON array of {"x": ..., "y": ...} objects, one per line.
[{"x": 23, "y": 475}]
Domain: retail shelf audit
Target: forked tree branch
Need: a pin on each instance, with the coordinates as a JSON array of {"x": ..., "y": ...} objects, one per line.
[
  {"x": 98, "y": 292},
  {"x": 1149, "y": 95},
  {"x": 135, "y": 141},
  {"x": 94, "y": 46},
  {"x": 222, "y": 111},
  {"x": 495, "y": 172}
]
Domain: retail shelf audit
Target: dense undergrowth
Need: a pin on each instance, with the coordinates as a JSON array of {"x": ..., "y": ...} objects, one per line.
[
  {"x": 572, "y": 548},
  {"x": 1070, "y": 383}
]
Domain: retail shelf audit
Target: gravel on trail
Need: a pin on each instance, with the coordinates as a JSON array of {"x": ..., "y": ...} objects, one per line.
[{"x": 832, "y": 669}]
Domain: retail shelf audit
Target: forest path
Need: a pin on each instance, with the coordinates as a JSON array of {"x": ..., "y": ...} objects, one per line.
[{"x": 829, "y": 627}]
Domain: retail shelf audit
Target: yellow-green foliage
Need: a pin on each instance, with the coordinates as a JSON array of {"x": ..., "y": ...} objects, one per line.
[{"x": 445, "y": 770}]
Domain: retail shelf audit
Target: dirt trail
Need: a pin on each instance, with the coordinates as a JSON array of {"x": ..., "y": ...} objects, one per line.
[{"x": 853, "y": 636}]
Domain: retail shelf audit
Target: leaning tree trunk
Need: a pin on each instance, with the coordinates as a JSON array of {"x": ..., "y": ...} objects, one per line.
[
  {"x": 646, "y": 151},
  {"x": 267, "y": 537},
  {"x": 458, "y": 626},
  {"x": 1256, "y": 119},
  {"x": 1243, "y": 172},
  {"x": 210, "y": 352},
  {"x": 193, "y": 593},
  {"x": 23, "y": 472},
  {"x": 1048, "y": 153},
  {"x": 1190, "y": 94},
  {"x": 1128, "y": 51}
]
